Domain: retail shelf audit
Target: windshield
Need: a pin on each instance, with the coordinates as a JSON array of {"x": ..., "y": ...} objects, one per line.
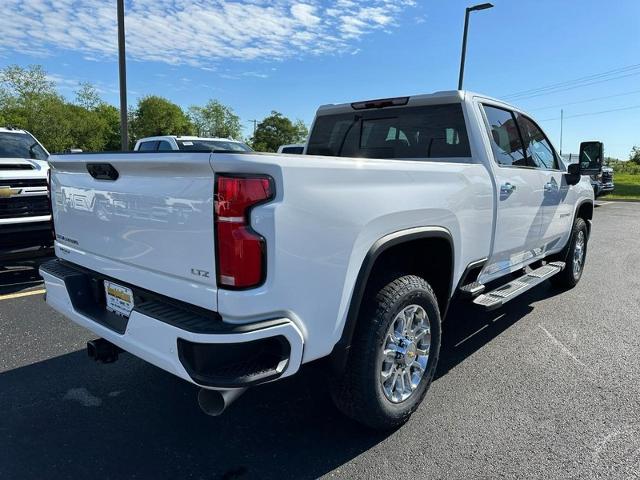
[
  {"x": 20, "y": 145},
  {"x": 213, "y": 145}
]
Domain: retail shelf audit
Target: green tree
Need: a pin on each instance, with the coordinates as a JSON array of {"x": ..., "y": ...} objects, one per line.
[
  {"x": 28, "y": 100},
  {"x": 25, "y": 82},
  {"x": 96, "y": 124},
  {"x": 215, "y": 120},
  {"x": 87, "y": 96},
  {"x": 276, "y": 130},
  {"x": 111, "y": 118},
  {"x": 156, "y": 115},
  {"x": 635, "y": 155}
]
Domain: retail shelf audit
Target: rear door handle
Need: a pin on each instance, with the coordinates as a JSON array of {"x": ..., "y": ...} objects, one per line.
[
  {"x": 507, "y": 188},
  {"x": 548, "y": 187}
]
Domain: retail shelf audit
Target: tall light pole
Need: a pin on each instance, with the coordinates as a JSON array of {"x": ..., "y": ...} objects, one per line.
[
  {"x": 255, "y": 123},
  {"x": 482, "y": 6},
  {"x": 561, "y": 125},
  {"x": 122, "y": 68}
]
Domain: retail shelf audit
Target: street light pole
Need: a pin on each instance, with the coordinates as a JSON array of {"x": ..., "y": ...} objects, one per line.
[
  {"x": 561, "y": 125},
  {"x": 122, "y": 68},
  {"x": 482, "y": 6},
  {"x": 255, "y": 123}
]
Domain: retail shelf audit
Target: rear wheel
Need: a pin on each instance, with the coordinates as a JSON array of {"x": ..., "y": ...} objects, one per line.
[
  {"x": 393, "y": 355},
  {"x": 576, "y": 256}
]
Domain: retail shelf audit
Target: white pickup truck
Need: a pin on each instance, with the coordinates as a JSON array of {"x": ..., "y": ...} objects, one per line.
[
  {"x": 234, "y": 269},
  {"x": 25, "y": 213}
]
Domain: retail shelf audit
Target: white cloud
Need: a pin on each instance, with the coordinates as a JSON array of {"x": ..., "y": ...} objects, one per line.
[
  {"x": 305, "y": 13},
  {"x": 70, "y": 85},
  {"x": 199, "y": 32}
]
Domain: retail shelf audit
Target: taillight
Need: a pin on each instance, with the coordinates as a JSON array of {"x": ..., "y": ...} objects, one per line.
[
  {"x": 50, "y": 199},
  {"x": 240, "y": 251}
]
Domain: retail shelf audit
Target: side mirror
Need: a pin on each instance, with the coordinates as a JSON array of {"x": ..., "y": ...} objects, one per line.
[
  {"x": 591, "y": 157},
  {"x": 573, "y": 174}
]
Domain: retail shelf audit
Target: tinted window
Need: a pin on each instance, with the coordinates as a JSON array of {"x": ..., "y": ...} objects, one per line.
[
  {"x": 148, "y": 146},
  {"x": 505, "y": 138},
  {"x": 164, "y": 145},
  {"x": 540, "y": 154},
  {"x": 297, "y": 150},
  {"x": 436, "y": 131},
  {"x": 213, "y": 145},
  {"x": 20, "y": 145}
]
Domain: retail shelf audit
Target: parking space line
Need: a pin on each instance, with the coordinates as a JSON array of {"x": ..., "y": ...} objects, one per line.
[
  {"x": 561, "y": 345},
  {"x": 22, "y": 294}
]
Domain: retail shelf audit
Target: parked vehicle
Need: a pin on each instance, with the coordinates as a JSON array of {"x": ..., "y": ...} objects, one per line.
[
  {"x": 190, "y": 144},
  {"x": 351, "y": 253},
  {"x": 602, "y": 182},
  {"x": 295, "y": 148},
  {"x": 25, "y": 213}
]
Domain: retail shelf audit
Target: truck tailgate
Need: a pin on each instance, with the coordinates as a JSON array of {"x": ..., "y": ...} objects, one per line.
[{"x": 152, "y": 226}]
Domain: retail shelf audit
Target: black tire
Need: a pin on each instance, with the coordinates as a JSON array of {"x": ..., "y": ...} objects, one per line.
[
  {"x": 571, "y": 275},
  {"x": 358, "y": 392}
]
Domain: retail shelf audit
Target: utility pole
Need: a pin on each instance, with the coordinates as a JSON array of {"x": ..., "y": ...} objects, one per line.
[
  {"x": 468, "y": 10},
  {"x": 561, "y": 124},
  {"x": 122, "y": 69},
  {"x": 255, "y": 125}
]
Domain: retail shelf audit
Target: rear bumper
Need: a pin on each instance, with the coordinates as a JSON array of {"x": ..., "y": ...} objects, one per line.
[{"x": 200, "y": 349}]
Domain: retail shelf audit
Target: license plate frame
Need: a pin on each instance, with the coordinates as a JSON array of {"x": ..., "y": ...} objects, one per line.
[{"x": 118, "y": 299}]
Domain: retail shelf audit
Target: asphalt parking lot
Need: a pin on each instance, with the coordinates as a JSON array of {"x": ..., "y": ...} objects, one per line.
[{"x": 548, "y": 387}]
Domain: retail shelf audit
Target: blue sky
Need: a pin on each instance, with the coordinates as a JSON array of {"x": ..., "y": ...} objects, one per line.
[{"x": 293, "y": 55}]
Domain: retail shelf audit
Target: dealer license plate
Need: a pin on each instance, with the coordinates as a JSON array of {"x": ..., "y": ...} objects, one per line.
[{"x": 119, "y": 298}]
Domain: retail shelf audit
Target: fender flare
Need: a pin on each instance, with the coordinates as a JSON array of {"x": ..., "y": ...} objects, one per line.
[
  {"x": 579, "y": 206},
  {"x": 562, "y": 254},
  {"x": 341, "y": 349}
]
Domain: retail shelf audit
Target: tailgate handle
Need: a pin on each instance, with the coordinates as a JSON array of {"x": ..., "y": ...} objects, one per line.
[{"x": 102, "y": 171}]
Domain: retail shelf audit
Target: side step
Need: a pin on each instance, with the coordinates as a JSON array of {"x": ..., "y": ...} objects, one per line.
[
  {"x": 501, "y": 295},
  {"x": 471, "y": 290}
]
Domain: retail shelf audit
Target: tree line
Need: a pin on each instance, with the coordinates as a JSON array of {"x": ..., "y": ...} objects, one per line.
[{"x": 29, "y": 100}]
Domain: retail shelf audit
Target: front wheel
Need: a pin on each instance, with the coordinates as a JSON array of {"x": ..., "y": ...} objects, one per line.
[
  {"x": 393, "y": 356},
  {"x": 576, "y": 256}
]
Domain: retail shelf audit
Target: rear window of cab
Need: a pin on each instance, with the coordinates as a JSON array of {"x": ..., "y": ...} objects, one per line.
[{"x": 424, "y": 132}]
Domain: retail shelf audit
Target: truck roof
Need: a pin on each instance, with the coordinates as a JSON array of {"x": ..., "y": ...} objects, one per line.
[
  {"x": 445, "y": 96},
  {"x": 12, "y": 130},
  {"x": 188, "y": 137}
]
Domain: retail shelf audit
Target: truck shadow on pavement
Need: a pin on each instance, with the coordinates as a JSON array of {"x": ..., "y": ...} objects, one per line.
[
  {"x": 67, "y": 417},
  {"x": 19, "y": 276},
  {"x": 467, "y": 329}
]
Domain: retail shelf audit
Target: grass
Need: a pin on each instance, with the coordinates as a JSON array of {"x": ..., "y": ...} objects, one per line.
[{"x": 627, "y": 187}]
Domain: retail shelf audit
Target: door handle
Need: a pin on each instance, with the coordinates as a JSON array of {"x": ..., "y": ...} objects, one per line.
[
  {"x": 548, "y": 187},
  {"x": 507, "y": 188}
]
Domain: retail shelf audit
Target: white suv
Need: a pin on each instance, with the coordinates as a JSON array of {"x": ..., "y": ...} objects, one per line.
[{"x": 172, "y": 142}]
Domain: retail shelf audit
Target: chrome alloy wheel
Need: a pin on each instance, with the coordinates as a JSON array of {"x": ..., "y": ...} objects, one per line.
[
  {"x": 578, "y": 254},
  {"x": 405, "y": 353}
]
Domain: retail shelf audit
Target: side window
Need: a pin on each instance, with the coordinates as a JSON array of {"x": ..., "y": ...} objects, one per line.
[
  {"x": 540, "y": 154},
  {"x": 148, "y": 146},
  {"x": 505, "y": 139},
  {"x": 164, "y": 145}
]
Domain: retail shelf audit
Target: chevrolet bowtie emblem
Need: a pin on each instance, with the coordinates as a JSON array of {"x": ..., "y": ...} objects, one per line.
[{"x": 6, "y": 192}]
